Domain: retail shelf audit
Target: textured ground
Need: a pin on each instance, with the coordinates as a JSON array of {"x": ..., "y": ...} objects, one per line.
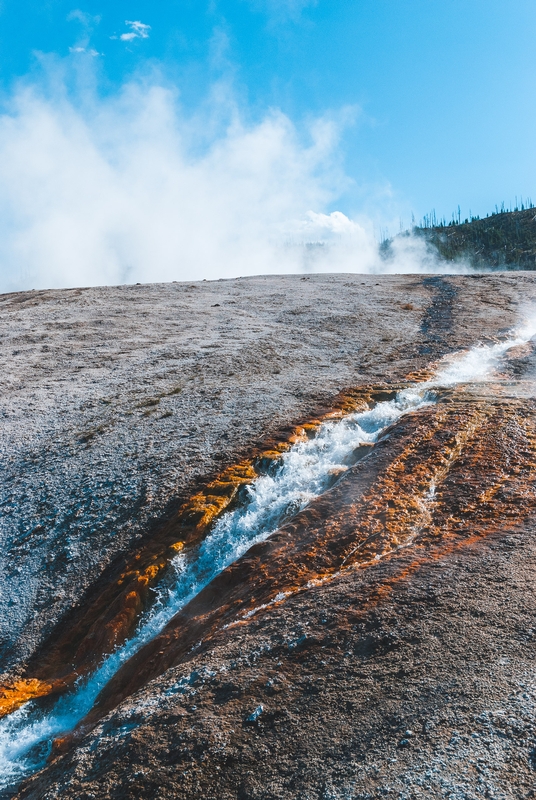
[
  {"x": 116, "y": 401},
  {"x": 428, "y": 694},
  {"x": 120, "y": 402}
]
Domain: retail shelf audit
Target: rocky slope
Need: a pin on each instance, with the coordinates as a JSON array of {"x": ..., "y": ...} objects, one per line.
[{"x": 401, "y": 675}]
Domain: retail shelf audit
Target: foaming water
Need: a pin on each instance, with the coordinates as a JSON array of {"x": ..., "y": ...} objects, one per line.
[
  {"x": 304, "y": 472},
  {"x": 478, "y": 363}
]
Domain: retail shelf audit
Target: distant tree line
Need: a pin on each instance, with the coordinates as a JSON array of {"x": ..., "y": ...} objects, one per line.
[{"x": 505, "y": 239}]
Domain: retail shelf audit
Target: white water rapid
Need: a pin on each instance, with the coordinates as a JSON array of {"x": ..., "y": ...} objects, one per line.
[{"x": 303, "y": 473}]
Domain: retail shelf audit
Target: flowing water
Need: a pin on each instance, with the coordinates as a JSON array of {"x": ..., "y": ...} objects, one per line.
[{"x": 304, "y": 472}]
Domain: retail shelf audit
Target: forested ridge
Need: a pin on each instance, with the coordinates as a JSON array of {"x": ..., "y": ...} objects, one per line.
[{"x": 504, "y": 240}]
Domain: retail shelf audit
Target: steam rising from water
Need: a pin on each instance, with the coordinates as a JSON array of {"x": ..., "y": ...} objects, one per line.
[
  {"x": 130, "y": 188},
  {"x": 304, "y": 472},
  {"x": 478, "y": 363}
]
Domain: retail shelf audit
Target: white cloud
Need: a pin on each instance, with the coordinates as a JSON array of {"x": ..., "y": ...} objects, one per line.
[
  {"x": 138, "y": 30},
  {"x": 131, "y": 189}
]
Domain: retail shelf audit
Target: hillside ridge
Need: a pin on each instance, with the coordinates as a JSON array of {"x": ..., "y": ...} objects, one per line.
[{"x": 504, "y": 240}]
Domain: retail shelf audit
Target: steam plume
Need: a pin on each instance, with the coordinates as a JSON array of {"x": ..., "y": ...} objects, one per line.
[{"x": 131, "y": 189}]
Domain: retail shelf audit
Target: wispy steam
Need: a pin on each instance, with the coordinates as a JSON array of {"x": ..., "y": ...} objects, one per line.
[
  {"x": 87, "y": 23},
  {"x": 131, "y": 189}
]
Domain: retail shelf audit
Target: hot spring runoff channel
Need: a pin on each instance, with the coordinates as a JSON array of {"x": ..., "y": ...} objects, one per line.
[{"x": 304, "y": 472}]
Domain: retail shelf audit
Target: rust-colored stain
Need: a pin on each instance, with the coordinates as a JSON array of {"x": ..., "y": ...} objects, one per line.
[
  {"x": 447, "y": 476},
  {"x": 19, "y": 692},
  {"x": 110, "y": 617}
]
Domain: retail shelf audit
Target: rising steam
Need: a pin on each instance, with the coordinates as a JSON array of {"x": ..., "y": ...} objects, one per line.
[{"x": 129, "y": 188}]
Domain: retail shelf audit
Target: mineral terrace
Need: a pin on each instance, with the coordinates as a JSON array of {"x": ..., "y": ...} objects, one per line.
[{"x": 377, "y": 645}]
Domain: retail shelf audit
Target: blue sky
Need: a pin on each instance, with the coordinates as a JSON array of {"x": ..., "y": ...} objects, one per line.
[
  {"x": 433, "y": 103},
  {"x": 446, "y": 91}
]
